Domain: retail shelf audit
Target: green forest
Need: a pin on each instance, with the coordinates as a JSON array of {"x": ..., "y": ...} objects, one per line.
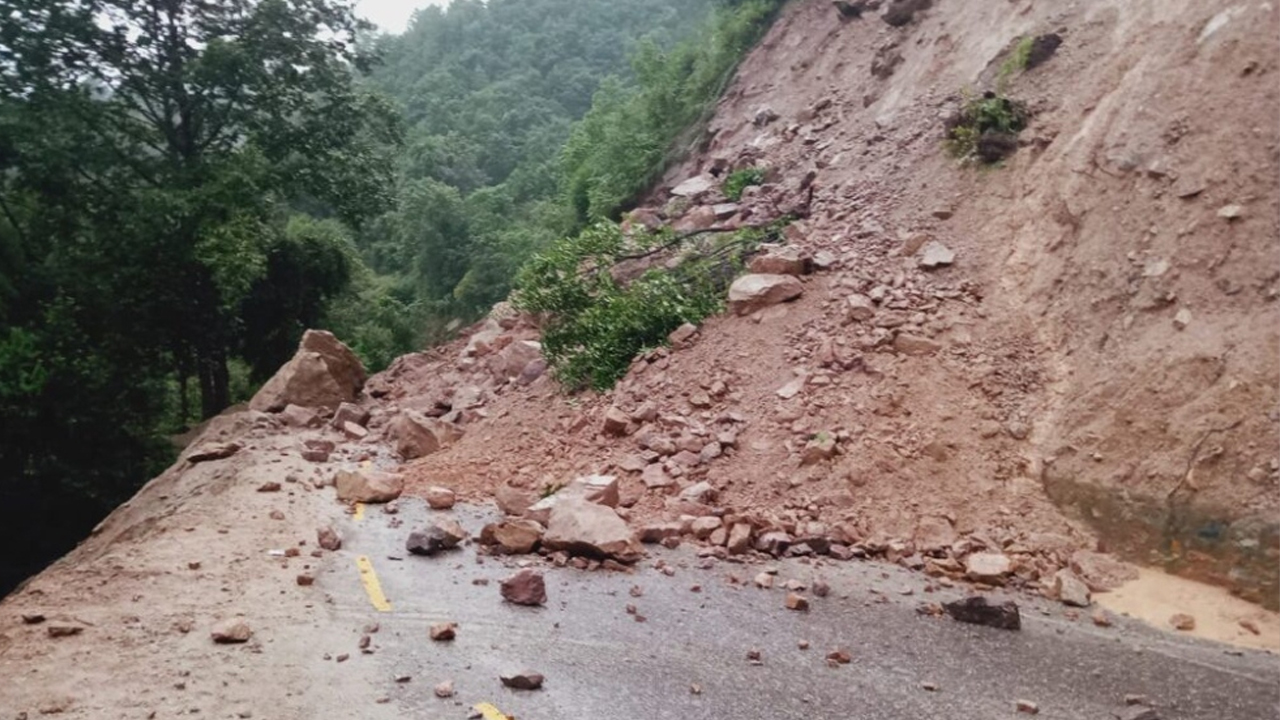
[{"x": 185, "y": 187}]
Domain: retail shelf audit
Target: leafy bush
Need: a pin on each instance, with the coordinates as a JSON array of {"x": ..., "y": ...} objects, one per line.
[
  {"x": 599, "y": 323},
  {"x": 1018, "y": 60},
  {"x": 740, "y": 180},
  {"x": 986, "y": 128}
]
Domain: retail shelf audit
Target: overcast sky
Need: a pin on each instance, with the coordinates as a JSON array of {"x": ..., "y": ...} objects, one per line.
[{"x": 392, "y": 15}]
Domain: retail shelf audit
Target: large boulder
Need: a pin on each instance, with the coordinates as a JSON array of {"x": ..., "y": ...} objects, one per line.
[
  {"x": 753, "y": 292},
  {"x": 368, "y": 486},
  {"x": 580, "y": 527},
  {"x": 512, "y": 537},
  {"x": 415, "y": 435},
  {"x": 323, "y": 373},
  {"x": 598, "y": 489},
  {"x": 514, "y": 358}
]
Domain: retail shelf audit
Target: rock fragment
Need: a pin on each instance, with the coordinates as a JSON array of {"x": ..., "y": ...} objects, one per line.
[
  {"x": 990, "y": 568},
  {"x": 526, "y": 587},
  {"x": 935, "y": 255},
  {"x": 441, "y": 535},
  {"x": 523, "y": 681},
  {"x": 797, "y": 602},
  {"x": 368, "y": 486},
  {"x": 1183, "y": 622},
  {"x": 440, "y": 498},
  {"x": 328, "y": 538},
  {"x": 1070, "y": 590},
  {"x": 443, "y": 631},
  {"x": 444, "y": 690},
  {"x": 231, "y": 631},
  {"x": 756, "y": 291},
  {"x": 1028, "y": 707},
  {"x": 977, "y": 610}
]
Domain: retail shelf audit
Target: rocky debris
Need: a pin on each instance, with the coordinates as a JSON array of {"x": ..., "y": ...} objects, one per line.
[
  {"x": 797, "y": 602},
  {"x": 886, "y": 61},
  {"x": 349, "y": 413},
  {"x": 976, "y": 610},
  {"x": 901, "y": 12},
  {"x": 1070, "y": 590},
  {"x": 526, "y": 587},
  {"x": 616, "y": 422},
  {"x": 820, "y": 588},
  {"x": 785, "y": 260},
  {"x": 305, "y": 579},
  {"x": 739, "y": 539},
  {"x": 934, "y": 535},
  {"x": 328, "y": 538},
  {"x": 851, "y": 9},
  {"x": 1231, "y": 212},
  {"x": 838, "y": 657},
  {"x": 935, "y": 255},
  {"x": 440, "y": 498},
  {"x": 415, "y": 435},
  {"x": 683, "y": 335},
  {"x": 231, "y": 631},
  {"x": 1246, "y": 623},
  {"x": 658, "y": 532},
  {"x": 444, "y": 690},
  {"x": 820, "y": 448},
  {"x": 368, "y": 485},
  {"x": 514, "y": 360},
  {"x": 754, "y": 292},
  {"x": 1028, "y": 707},
  {"x": 322, "y": 373},
  {"x": 514, "y": 501},
  {"x": 763, "y": 580},
  {"x": 523, "y": 681},
  {"x": 443, "y": 631},
  {"x": 440, "y": 535},
  {"x": 597, "y": 489},
  {"x": 699, "y": 217},
  {"x": 1100, "y": 618},
  {"x": 213, "y": 451},
  {"x": 990, "y": 568},
  {"x": 512, "y": 537},
  {"x": 773, "y": 542},
  {"x": 63, "y": 629},
  {"x": 580, "y": 527},
  {"x": 764, "y": 116},
  {"x": 300, "y": 417},
  {"x": 269, "y": 487},
  {"x": 1183, "y": 622},
  {"x": 1101, "y": 572},
  {"x": 33, "y": 618},
  {"x": 909, "y": 344},
  {"x": 1141, "y": 713},
  {"x": 700, "y": 492},
  {"x": 859, "y": 308},
  {"x": 317, "y": 451},
  {"x": 702, "y": 527},
  {"x": 1182, "y": 319}
]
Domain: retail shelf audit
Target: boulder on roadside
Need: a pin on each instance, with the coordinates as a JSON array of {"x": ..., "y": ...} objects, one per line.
[
  {"x": 322, "y": 373},
  {"x": 514, "y": 358},
  {"x": 368, "y": 485},
  {"x": 754, "y": 292},
  {"x": 739, "y": 540},
  {"x": 440, "y": 498},
  {"x": 348, "y": 413},
  {"x": 415, "y": 435},
  {"x": 525, "y": 588},
  {"x": 298, "y": 416},
  {"x": 990, "y": 568},
  {"x": 513, "y": 500},
  {"x": 977, "y": 610},
  {"x": 580, "y": 527},
  {"x": 517, "y": 536},
  {"x": 598, "y": 489},
  {"x": 1070, "y": 590},
  {"x": 440, "y": 535}
]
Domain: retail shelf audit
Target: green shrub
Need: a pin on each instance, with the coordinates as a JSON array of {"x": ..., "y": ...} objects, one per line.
[
  {"x": 598, "y": 323},
  {"x": 986, "y": 128},
  {"x": 740, "y": 180},
  {"x": 1018, "y": 60}
]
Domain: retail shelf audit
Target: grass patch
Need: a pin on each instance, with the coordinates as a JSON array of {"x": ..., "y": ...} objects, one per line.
[
  {"x": 986, "y": 128},
  {"x": 740, "y": 180}
]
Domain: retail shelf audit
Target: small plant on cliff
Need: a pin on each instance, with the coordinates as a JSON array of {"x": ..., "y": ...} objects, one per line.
[
  {"x": 986, "y": 128},
  {"x": 1018, "y": 60},
  {"x": 600, "y": 320},
  {"x": 740, "y": 180}
]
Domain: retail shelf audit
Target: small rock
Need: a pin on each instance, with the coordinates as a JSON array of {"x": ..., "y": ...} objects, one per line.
[
  {"x": 526, "y": 587},
  {"x": 444, "y": 631},
  {"x": 739, "y": 540},
  {"x": 754, "y": 655},
  {"x": 764, "y": 581},
  {"x": 1247, "y": 624},
  {"x": 523, "y": 681},
  {"x": 1141, "y": 713},
  {"x": 616, "y": 422},
  {"x": 1182, "y": 319},
  {"x": 305, "y": 579},
  {"x": 929, "y": 687},
  {"x": 977, "y": 611},
  {"x": 276, "y": 515},
  {"x": 990, "y": 568},
  {"x": 755, "y": 291},
  {"x": 704, "y": 526},
  {"x": 821, "y": 588},
  {"x": 213, "y": 451},
  {"x": 269, "y": 487},
  {"x": 513, "y": 501},
  {"x": 1231, "y": 212},
  {"x": 328, "y": 538},
  {"x": 909, "y": 344},
  {"x": 63, "y": 629},
  {"x": 1183, "y": 622},
  {"x": 1070, "y": 590},
  {"x": 368, "y": 486},
  {"x": 440, "y": 498},
  {"x": 232, "y": 631},
  {"x": 444, "y": 690},
  {"x": 839, "y": 657},
  {"x": 1100, "y": 618},
  {"x": 934, "y": 255},
  {"x": 820, "y": 448},
  {"x": 682, "y": 335},
  {"x": 1028, "y": 707},
  {"x": 859, "y": 308},
  {"x": 798, "y": 602},
  {"x": 441, "y": 535},
  {"x": 512, "y": 537},
  {"x": 33, "y": 618}
]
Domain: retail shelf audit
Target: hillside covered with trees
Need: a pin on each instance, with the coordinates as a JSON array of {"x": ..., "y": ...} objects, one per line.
[{"x": 186, "y": 187}]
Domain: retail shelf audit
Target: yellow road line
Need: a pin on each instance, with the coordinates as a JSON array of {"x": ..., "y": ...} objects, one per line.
[
  {"x": 359, "y": 513},
  {"x": 371, "y": 585},
  {"x": 490, "y": 712}
]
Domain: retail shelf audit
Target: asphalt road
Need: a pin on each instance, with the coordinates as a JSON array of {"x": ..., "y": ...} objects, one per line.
[{"x": 600, "y": 662}]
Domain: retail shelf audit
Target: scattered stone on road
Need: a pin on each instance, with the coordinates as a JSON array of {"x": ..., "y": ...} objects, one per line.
[
  {"x": 523, "y": 681},
  {"x": 232, "y": 631},
  {"x": 581, "y": 527},
  {"x": 517, "y": 536},
  {"x": 977, "y": 610},
  {"x": 1183, "y": 622},
  {"x": 1100, "y": 618},
  {"x": 328, "y": 538},
  {"x": 1141, "y": 713},
  {"x": 1028, "y": 707},
  {"x": 525, "y": 588},
  {"x": 443, "y": 631},
  {"x": 821, "y": 588},
  {"x": 440, "y": 498},
  {"x": 764, "y": 581},
  {"x": 368, "y": 486},
  {"x": 444, "y": 690},
  {"x": 269, "y": 487},
  {"x": 305, "y": 579},
  {"x": 798, "y": 602},
  {"x": 440, "y": 535},
  {"x": 839, "y": 657}
]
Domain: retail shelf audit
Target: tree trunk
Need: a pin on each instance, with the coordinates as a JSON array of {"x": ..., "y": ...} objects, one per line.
[{"x": 215, "y": 384}]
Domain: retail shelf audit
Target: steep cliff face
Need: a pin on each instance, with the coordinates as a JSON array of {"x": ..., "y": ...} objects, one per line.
[{"x": 1123, "y": 333}]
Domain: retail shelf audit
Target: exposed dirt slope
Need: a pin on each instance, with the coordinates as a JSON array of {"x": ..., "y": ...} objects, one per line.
[{"x": 1067, "y": 396}]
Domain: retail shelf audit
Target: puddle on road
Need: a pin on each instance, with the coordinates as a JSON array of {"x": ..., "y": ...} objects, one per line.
[{"x": 1156, "y": 596}]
